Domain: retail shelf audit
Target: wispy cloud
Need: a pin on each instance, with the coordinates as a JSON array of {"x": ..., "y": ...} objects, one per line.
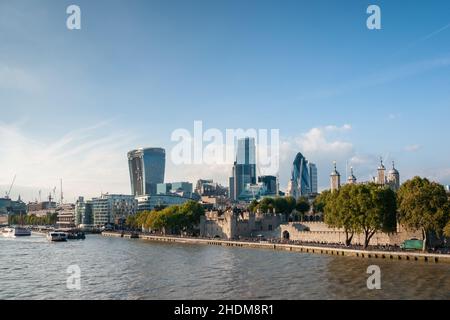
[
  {"x": 89, "y": 160},
  {"x": 413, "y": 148},
  {"x": 16, "y": 78},
  {"x": 386, "y": 76}
]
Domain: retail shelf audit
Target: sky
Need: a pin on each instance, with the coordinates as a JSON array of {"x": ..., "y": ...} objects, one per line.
[{"x": 74, "y": 102}]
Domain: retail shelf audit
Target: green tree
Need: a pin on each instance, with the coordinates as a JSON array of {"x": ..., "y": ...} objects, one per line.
[
  {"x": 253, "y": 206},
  {"x": 339, "y": 213},
  {"x": 423, "y": 205},
  {"x": 266, "y": 205},
  {"x": 374, "y": 209},
  {"x": 447, "y": 230},
  {"x": 291, "y": 203},
  {"x": 302, "y": 206},
  {"x": 320, "y": 201},
  {"x": 281, "y": 206}
]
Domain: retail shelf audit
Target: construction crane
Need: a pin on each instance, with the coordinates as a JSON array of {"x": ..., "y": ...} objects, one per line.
[{"x": 10, "y": 188}]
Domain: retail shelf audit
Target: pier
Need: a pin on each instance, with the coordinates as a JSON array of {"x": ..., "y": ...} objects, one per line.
[{"x": 366, "y": 254}]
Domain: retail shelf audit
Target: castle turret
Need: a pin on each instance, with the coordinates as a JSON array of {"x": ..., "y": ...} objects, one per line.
[
  {"x": 335, "y": 179},
  {"x": 381, "y": 179},
  {"x": 351, "y": 178},
  {"x": 393, "y": 178}
]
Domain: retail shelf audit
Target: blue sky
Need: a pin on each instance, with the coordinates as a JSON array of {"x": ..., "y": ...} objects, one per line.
[{"x": 74, "y": 102}]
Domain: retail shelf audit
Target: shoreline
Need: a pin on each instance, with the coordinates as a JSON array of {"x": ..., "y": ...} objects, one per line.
[{"x": 310, "y": 249}]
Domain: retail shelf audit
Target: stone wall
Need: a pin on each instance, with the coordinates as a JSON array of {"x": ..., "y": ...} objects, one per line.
[{"x": 319, "y": 232}]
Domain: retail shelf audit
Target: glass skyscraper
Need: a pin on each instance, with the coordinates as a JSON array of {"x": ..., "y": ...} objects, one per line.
[
  {"x": 147, "y": 167},
  {"x": 313, "y": 178},
  {"x": 300, "y": 182},
  {"x": 244, "y": 169}
]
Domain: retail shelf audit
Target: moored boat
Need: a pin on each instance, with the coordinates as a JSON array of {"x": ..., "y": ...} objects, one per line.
[
  {"x": 10, "y": 232},
  {"x": 57, "y": 236},
  {"x": 79, "y": 235}
]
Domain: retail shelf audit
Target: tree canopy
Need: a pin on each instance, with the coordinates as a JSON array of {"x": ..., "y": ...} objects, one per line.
[
  {"x": 173, "y": 219},
  {"x": 365, "y": 208},
  {"x": 423, "y": 205}
]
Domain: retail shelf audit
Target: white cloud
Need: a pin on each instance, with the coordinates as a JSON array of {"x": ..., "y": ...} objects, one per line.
[
  {"x": 317, "y": 142},
  {"x": 15, "y": 78},
  {"x": 413, "y": 148},
  {"x": 89, "y": 160}
]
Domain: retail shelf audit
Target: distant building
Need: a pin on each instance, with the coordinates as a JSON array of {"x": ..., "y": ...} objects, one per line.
[
  {"x": 66, "y": 216},
  {"x": 313, "y": 177},
  {"x": 147, "y": 168},
  {"x": 210, "y": 188},
  {"x": 41, "y": 209},
  {"x": 174, "y": 187},
  {"x": 83, "y": 213},
  {"x": 148, "y": 203},
  {"x": 215, "y": 202},
  {"x": 393, "y": 178},
  {"x": 112, "y": 208},
  {"x": 235, "y": 224},
  {"x": 381, "y": 176},
  {"x": 270, "y": 184},
  {"x": 9, "y": 206},
  {"x": 351, "y": 178},
  {"x": 447, "y": 188},
  {"x": 335, "y": 179},
  {"x": 244, "y": 168},
  {"x": 300, "y": 182}
]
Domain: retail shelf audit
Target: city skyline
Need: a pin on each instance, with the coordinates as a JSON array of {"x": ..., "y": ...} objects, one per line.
[{"x": 75, "y": 102}]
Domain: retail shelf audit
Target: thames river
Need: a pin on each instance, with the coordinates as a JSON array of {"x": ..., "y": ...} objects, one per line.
[{"x": 115, "y": 268}]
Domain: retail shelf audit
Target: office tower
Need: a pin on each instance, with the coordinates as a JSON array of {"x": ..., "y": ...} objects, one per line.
[
  {"x": 146, "y": 170},
  {"x": 111, "y": 208},
  {"x": 335, "y": 179},
  {"x": 174, "y": 187},
  {"x": 313, "y": 178},
  {"x": 299, "y": 184},
  {"x": 244, "y": 168},
  {"x": 269, "y": 183}
]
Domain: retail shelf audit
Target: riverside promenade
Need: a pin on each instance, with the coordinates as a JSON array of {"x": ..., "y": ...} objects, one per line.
[{"x": 366, "y": 254}]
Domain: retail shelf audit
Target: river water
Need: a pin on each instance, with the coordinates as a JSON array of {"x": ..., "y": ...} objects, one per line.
[{"x": 115, "y": 268}]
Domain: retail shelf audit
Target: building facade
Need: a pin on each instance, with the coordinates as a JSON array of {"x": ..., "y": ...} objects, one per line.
[
  {"x": 147, "y": 169},
  {"x": 66, "y": 216},
  {"x": 244, "y": 168},
  {"x": 335, "y": 179},
  {"x": 270, "y": 183},
  {"x": 313, "y": 178},
  {"x": 300, "y": 182},
  {"x": 112, "y": 209},
  {"x": 235, "y": 224},
  {"x": 148, "y": 203}
]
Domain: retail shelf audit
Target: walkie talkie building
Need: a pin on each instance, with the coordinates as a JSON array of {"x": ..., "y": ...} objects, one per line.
[{"x": 147, "y": 166}]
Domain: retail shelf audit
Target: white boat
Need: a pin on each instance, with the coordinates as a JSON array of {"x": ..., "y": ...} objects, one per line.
[
  {"x": 15, "y": 232},
  {"x": 57, "y": 236}
]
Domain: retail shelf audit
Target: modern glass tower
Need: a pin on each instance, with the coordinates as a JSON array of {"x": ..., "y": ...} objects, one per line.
[
  {"x": 147, "y": 168},
  {"x": 313, "y": 178},
  {"x": 300, "y": 182},
  {"x": 244, "y": 169}
]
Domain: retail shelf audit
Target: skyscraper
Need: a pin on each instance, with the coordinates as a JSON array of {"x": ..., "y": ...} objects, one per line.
[
  {"x": 147, "y": 168},
  {"x": 313, "y": 178},
  {"x": 244, "y": 168},
  {"x": 300, "y": 182}
]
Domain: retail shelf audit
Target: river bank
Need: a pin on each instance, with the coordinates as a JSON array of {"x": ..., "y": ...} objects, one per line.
[{"x": 367, "y": 254}]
